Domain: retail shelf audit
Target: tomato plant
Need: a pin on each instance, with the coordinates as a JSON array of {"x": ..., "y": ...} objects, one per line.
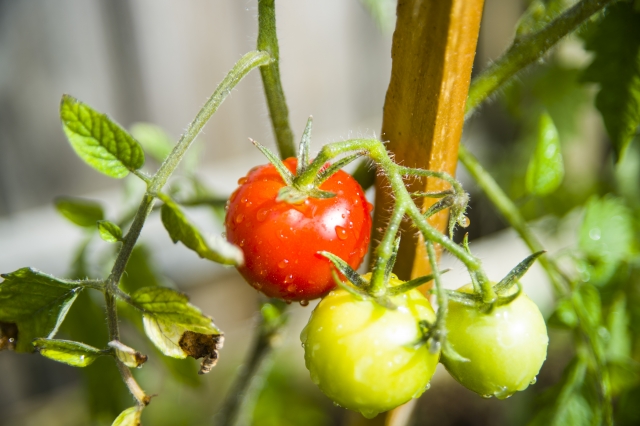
[
  {"x": 504, "y": 348},
  {"x": 281, "y": 239},
  {"x": 363, "y": 355}
]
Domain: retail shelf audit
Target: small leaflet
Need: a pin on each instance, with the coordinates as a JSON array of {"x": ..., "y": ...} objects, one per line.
[
  {"x": 129, "y": 417},
  {"x": 80, "y": 211},
  {"x": 109, "y": 231},
  {"x": 75, "y": 354},
  {"x": 546, "y": 168}
]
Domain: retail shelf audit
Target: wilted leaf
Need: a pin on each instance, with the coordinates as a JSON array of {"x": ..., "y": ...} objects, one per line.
[
  {"x": 109, "y": 231},
  {"x": 72, "y": 353},
  {"x": 98, "y": 140},
  {"x": 36, "y": 302},
  {"x": 607, "y": 230},
  {"x": 546, "y": 169},
  {"x": 177, "y": 328},
  {"x": 80, "y": 211},
  {"x": 180, "y": 229},
  {"x": 129, "y": 417},
  {"x": 155, "y": 141},
  {"x": 129, "y": 356},
  {"x": 616, "y": 68}
]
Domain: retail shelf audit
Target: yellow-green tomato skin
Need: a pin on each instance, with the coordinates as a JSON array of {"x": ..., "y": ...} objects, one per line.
[
  {"x": 362, "y": 355},
  {"x": 505, "y": 348}
]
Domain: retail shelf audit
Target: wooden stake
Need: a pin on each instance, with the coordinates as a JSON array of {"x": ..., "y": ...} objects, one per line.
[{"x": 434, "y": 45}]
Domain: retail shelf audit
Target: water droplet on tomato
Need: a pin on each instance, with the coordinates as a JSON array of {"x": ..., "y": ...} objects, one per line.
[
  {"x": 288, "y": 302},
  {"x": 242, "y": 180},
  {"x": 262, "y": 215},
  {"x": 315, "y": 379},
  {"x": 487, "y": 396},
  {"x": 343, "y": 215},
  {"x": 224, "y": 235},
  {"x": 341, "y": 232},
  {"x": 304, "y": 303},
  {"x": 257, "y": 286},
  {"x": 369, "y": 207},
  {"x": 239, "y": 218},
  {"x": 350, "y": 225},
  {"x": 244, "y": 199},
  {"x": 289, "y": 279},
  {"x": 283, "y": 263},
  {"x": 533, "y": 381},
  {"x": 242, "y": 242}
]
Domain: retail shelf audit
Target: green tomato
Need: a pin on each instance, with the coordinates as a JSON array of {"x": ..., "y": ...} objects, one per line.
[
  {"x": 504, "y": 348},
  {"x": 363, "y": 356}
]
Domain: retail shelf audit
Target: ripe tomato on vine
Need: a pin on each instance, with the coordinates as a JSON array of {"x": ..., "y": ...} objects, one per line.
[{"x": 281, "y": 239}]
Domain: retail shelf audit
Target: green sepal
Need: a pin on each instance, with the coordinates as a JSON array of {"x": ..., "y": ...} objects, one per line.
[
  {"x": 505, "y": 300},
  {"x": 357, "y": 293},
  {"x": 36, "y": 303},
  {"x": 392, "y": 259},
  {"x": 129, "y": 417},
  {"x": 303, "y": 150},
  {"x": 345, "y": 269},
  {"x": 286, "y": 175},
  {"x": 180, "y": 229},
  {"x": 109, "y": 231},
  {"x": 333, "y": 168},
  {"x": 79, "y": 211},
  {"x": 546, "y": 168},
  {"x": 467, "y": 299},
  {"x": 98, "y": 140},
  {"x": 414, "y": 283},
  {"x": 516, "y": 273},
  {"x": 74, "y": 354}
]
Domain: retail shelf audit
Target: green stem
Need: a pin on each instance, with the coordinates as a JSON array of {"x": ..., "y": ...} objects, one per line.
[
  {"x": 270, "y": 73},
  {"x": 248, "y": 62},
  {"x": 441, "y": 295},
  {"x": 511, "y": 214},
  {"x": 377, "y": 152},
  {"x": 528, "y": 49},
  {"x": 384, "y": 251}
]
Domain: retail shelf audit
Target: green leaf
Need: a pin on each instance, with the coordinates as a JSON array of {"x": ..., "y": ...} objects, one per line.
[
  {"x": 109, "y": 231},
  {"x": 616, "y": 68},
  {"x": 155, "y": 141},
  {"x": 180, "y": 229},
  {"x": 36, "y": 302},
  {"x": 587, "y": 300},
  {"x": 564, "y": 316},
  {"x": 79, "y": 211},
  {"x": 546, "y": 169},
  {"x": 538, "y": 14},
  {"x": 606, "y": 231},
  {"x": 177, "y": 328},
  {"x": 129, "y": 356},
  {"x": 98, "y": 140},
  {"x": 129, "y": 417},
  {"x": 72, "y": 353},
  {"x": 619, "y": 344}
]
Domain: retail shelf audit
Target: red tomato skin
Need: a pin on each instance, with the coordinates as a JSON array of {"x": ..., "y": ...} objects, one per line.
[{"x": 281, "y": 241}]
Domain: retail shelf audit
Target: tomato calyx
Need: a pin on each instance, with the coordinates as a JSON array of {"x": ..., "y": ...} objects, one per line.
[{"x": 308, "y": 177}]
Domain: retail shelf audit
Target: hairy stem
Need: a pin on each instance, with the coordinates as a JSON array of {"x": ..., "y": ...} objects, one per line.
[
  {"x": 529, "y": 48},
  {"x": 270, "y": 73},
  {"x": 154, "y": 185},
  {"x": 384, "y": 251}
]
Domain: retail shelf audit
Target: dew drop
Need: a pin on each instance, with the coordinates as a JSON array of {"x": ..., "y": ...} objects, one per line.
[
  {"x": 304, "y": 303},
  {"x": 262, "y": 215},
  {"x": 244, "y": 200},
  {"x": 595, "y": 234},
  {"x": 341, "y": 232},
  {"x": 288, "y": 279},
  {"x": 239, "y": 218},
  {"x": 315, "y": 379},
  {"x": 283, "y": 263},
  {"x": 533, "y": 381},
  {"x": 81, "y": 357},
  {"x": 487, "y": 396},
  {"x": 224, "y": 235},
  {"x": 288, "y": 302},
  {"x": 242, "y": 242},
  {"x": 465, "y": 222},
  {"x": 343, "y": 215},
  {"x": 350, "y": 225},
  {"x": 368, "y": 414},
  {"x": 257, "y": 286},
  {"x": 242, "y": 180},
  {"x": 12, "y": 340},
  {"x": 369, "y": 207}
]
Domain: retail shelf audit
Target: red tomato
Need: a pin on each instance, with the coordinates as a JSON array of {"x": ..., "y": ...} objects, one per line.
[{"x": 281, "y": 241}]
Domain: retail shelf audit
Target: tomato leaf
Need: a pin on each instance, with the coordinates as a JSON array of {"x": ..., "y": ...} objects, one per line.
[
  {"x": 177, "y": 328},
  {"x": 619, "y": 343},
  {"x": 98, "y": 140},
  {"x": 154, "y": 140},
  {"x": 605, "y": 232},
  {"x": 36, "y": 302},
  {"x": 82, "y": 212},
  {"x": 72, "y": 353},
  {"x": 109, "y": 231},
  {"x": 564, "y": 316},
  {"x": 180, "y": 229},
  {"x": 546, "y": 169},
  {"x": 129, "y": 417},
  {"x": 616, "y": 68}
]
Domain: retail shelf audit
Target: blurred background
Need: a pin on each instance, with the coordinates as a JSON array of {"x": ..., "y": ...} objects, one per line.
[{"x": 157, "y": 61}]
